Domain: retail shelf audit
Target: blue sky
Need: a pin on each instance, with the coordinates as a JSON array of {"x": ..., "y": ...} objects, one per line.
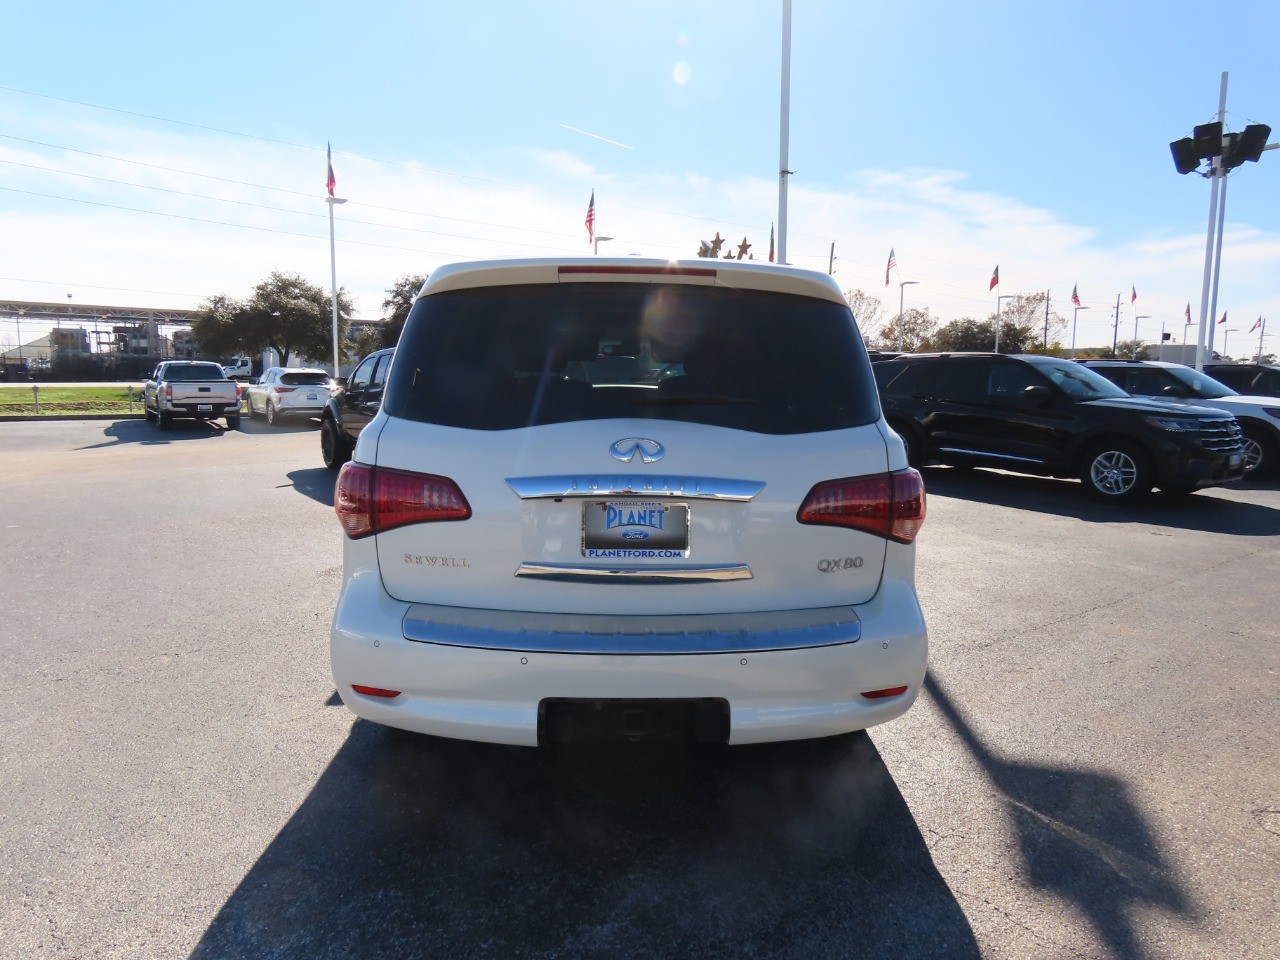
[{"x": 1033, "y": 136}]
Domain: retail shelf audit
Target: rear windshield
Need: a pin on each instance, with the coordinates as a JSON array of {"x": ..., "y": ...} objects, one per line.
[
  {"x": 197, "y": 371},
  {"x": 500, "y": 358},
  {"x": 305, "y": 379}
]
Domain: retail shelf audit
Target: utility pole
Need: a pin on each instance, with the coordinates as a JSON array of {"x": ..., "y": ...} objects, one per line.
[
  {"x": 1115, "y": 328},
  {"x": 1046, "y": 321},
  {"x": 784, "y": 132},
  {"x": 831, "y": 264}
]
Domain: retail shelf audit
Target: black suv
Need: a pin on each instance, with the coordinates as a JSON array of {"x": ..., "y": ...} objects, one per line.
[
  {"x": 352, "y": 407},
  {"x": 1055, "y": 418},
  {"x": 1251, "y": 379}
]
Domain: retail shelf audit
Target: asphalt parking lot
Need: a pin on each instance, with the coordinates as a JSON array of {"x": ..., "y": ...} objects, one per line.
[{"x": 1092, "y": 770}]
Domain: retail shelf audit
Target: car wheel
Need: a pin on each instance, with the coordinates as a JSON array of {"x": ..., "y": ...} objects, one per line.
[
  {"x": 146, "y": 412},
  {"x": 233, "y": 422},
  {"x": 164, "y": 420},
  {"x": 272, "y": 418},
  {"x": 1259, "y": 453},
  {"x": 1117, "y": 471},
  {"x": 334, "y": 449}
]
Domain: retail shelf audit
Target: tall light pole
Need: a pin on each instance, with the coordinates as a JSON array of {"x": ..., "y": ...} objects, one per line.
[
  {"x": 1135, "y": 334},
  {"x": 901, "y": 290},
  {"x": 1074, "y": 317},
  {"x": 785, "y": 131},
  {"x": 999, "y": 300},
  {"x": 595, "y": 244}
]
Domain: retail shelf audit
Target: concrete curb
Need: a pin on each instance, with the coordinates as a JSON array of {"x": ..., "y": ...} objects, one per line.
[{"x": 18, "y": 417}]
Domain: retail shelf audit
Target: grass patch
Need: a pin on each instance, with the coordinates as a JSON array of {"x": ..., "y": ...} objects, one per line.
[{"x": 62, "y": 401}]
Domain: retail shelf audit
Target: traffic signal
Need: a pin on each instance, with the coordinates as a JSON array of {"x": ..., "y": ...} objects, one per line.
[
  {"x": 1250, "y": 143},
  {"x": 1208, "y": 139},
  {"x": 1165, "y": 336},
  {"x": 1185, "y": 157}
]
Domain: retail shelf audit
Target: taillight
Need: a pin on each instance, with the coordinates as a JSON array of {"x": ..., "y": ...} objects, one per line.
[
  {"x": 279, "y": 389},
  {"x": 168, "y": 391},
  {"x": 887, "y": 692},
  {"x": 375, "y": 499},
  {"x": 890, "y": 505},
  {"x": 237, "y": 391}
]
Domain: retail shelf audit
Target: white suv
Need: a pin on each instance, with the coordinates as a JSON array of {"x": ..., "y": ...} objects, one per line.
[{"x": 629, "y": 498}]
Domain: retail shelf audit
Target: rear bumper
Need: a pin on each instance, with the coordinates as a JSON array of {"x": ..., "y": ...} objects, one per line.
[{"x": 777, "y": 686}]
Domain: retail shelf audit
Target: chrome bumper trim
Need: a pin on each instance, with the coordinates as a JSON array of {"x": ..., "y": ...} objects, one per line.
[
  {"x": 685, "y": 574},
  {"x": 656, "y": 485},
  {"x": 631, "y": 635}
]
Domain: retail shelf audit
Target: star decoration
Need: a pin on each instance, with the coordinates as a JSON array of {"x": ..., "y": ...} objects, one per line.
[
  {"x": 743, "y": 247},
  {"x": 716, "y": 244}
]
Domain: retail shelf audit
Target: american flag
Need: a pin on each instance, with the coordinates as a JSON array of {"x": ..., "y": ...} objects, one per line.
[
  {"x": 1256, "y": 324},
  {"x": 331, "y": 181},
  {"x": 771, "y": 243},
  {"x": 1075, "y": 297},
  {"x": 893, "y": 262},
  {"x": 1133, "y": 294},
  {"x": 1224, "y": 317},
  {"x": 1188, "y": 313},
  {"x": 590, "y": 222},
  {"x": 995, "y": 278}
]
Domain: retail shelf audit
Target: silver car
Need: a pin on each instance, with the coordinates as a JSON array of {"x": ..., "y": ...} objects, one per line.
[{"x": 290, "y": 392}]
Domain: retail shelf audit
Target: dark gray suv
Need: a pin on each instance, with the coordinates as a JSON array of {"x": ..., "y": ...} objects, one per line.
[{"x": 1052, "y": 417}]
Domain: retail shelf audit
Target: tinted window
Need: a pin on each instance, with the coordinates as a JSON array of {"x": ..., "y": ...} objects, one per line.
[
  {"x": 363, "y": 374},
  {"x": 305, "y": 379},
  {"x": 1199, "y": 384},
  {"x": 1009, "y": 380},
  {"x": 380, "y": 374},
  {"x": 953, "y": 378},
  {"x": 498, "y": 358},
  {"x": 1078, "y": 382},
  {"x": 197, "y": 371}
]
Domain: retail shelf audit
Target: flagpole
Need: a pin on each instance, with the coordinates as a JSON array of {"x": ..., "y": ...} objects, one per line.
[
  {"x": 1261, "y": 333},
  {"x": 333, "y": 278}
]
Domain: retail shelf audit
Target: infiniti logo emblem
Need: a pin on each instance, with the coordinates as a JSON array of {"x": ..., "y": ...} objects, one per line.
[{"x": 625, "y": 450}]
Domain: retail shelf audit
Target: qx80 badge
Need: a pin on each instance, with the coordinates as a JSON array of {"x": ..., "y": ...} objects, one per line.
[{"x": 625, "y": 451}]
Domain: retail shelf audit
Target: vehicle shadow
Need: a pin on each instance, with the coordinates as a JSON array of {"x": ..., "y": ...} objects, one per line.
[
  {"x": 148, "y": 434},
  {"x": 291, "y": 425},
  {"x": 1066, "y": 498},
  {"x": 1082, "y": 838},
  {"x": 412, "y": 846},
  {"x": 318, "y": 483}
]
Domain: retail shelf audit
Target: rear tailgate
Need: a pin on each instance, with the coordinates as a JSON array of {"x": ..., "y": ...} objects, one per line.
[
  {"x": 560, "y": 525},
  {"x": 188, "y": 392}
]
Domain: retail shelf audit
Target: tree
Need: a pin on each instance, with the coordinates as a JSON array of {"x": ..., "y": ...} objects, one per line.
[
  {"x": 866, "y": 311},
  {"x": 363, "y": 343},
  {"x": 913, "y": 332},
  {"x": 966, "y": 334},
  {"x": 284, "y": 313},
  {"x": 1130, "y": 350},
  {"x": 397, "y": 305}
]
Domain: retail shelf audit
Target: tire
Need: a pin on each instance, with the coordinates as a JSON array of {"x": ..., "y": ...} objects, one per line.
[
  {"x": 164, "y": 420},
  {"x": 1259, "y": 453},
  {"x": 1117, "y": 471},
  {"x": 335, "y": 449},
  {"x": 146, "y": 412},
  {"x": 273, "y": 418},
  {"x": 233, "y": 422}
]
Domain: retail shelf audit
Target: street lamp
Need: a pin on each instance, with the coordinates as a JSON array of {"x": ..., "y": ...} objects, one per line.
[
  {"x": 595, "y": 244},
  {"x": 1225, "y": 334},
  {"x": 901, "y": 291},
  {"x": 1135, "y": 334},
  {"x": 999, "y": 300},
  {"x": 1074, "y": 317}
]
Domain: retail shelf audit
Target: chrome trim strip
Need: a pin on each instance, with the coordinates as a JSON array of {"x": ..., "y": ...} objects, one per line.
[
  {"x": 649, "y": 485},
  {"x": 988, "y": 453},
  {"x": 581, "y": 633},
  {"x": 683, "y": 574}
]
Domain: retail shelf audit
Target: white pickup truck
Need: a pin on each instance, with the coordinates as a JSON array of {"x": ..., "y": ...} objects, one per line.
[
  {"x": 191, "y": 390},
  {"x": 238, "y": 368}
]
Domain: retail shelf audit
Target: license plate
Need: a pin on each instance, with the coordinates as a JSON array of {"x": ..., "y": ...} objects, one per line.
[
  {"x": 634, "y": 529},
  {"x": 1235, "y": 460},
  {"x": 313, "y": 396},
  {"x": 204, "y": 408}
]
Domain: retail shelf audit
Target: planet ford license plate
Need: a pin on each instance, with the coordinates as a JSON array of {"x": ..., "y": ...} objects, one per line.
[{"x": 634, "y": 530}]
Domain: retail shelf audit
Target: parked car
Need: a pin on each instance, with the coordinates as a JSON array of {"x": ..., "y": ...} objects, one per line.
[
  {"x": 352, "y": 405},
  {"x": 285, "y": 392},
  {"x": 538, "y": 548},
  {"x": 1051, "y": 417},
  {"x": 190, "y": 390},
  {"x": 1251, "y": 379},
  {"x": 1259, "y": 416}
]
